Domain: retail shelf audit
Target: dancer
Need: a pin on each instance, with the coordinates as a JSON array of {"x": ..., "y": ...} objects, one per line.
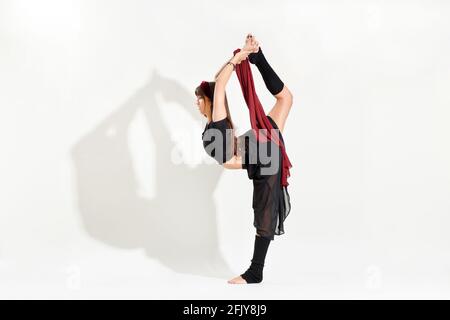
[{"x": 271, "y": 201}]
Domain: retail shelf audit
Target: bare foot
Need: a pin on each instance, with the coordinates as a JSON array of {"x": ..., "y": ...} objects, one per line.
[
  {"x": 251, "y": 45},
  {"x": 237, "y": 280}
]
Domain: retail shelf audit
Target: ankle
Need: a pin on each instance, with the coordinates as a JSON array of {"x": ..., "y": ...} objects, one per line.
[{"x": 254, "y": 274}]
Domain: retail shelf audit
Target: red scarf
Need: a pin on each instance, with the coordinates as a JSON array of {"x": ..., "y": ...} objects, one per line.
[{"x": 258, "y": 118}]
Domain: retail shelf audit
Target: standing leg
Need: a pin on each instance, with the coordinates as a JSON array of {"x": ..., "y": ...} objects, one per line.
[{"x": 254, "y": 273}]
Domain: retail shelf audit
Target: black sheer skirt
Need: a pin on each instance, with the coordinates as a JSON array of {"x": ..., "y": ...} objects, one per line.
[{"x": 271, "y": 201}]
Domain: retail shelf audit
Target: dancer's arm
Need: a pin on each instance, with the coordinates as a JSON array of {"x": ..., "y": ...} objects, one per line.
[
  {"x": 218, "y": 72},
  {"x": 236, "y": 161},
  {"x": 219, "y": 110},
  {"x": 233, "y": 163}
]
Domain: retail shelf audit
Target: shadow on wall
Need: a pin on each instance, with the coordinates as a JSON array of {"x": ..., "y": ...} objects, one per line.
[{"x": 178, "y": 226}]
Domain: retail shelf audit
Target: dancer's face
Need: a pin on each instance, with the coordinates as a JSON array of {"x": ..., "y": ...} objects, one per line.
[{"x": 202, "y": 105}]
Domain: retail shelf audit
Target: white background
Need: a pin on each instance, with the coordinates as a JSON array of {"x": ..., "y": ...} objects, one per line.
[{"x": 106, "y": 191}]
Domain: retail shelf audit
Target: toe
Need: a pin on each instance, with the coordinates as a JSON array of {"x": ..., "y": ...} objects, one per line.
[{"x": 231, "y": 281}]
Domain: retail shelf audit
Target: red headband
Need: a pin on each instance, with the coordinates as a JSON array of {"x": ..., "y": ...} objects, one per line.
[{"x": 206, "y": 89}]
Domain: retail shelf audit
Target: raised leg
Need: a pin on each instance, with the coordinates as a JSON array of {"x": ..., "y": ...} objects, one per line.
[
  {"x": 276, "y": 86},
  {"x": 280, "y": 110}
]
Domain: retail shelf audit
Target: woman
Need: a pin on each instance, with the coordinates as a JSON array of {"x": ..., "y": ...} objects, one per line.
[{"x": 271, "y": 202}]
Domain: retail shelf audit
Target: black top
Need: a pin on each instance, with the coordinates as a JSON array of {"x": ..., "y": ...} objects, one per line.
[{"x": 218, "y": 131}]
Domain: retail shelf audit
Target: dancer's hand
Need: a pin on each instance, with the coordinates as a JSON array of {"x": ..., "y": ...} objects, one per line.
[
  {"x": 251, "y": 44},
  {"x": 240, "y": 56}
]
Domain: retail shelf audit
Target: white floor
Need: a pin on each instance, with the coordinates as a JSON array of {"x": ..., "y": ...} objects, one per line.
[{"x": 108, "y": 273}]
